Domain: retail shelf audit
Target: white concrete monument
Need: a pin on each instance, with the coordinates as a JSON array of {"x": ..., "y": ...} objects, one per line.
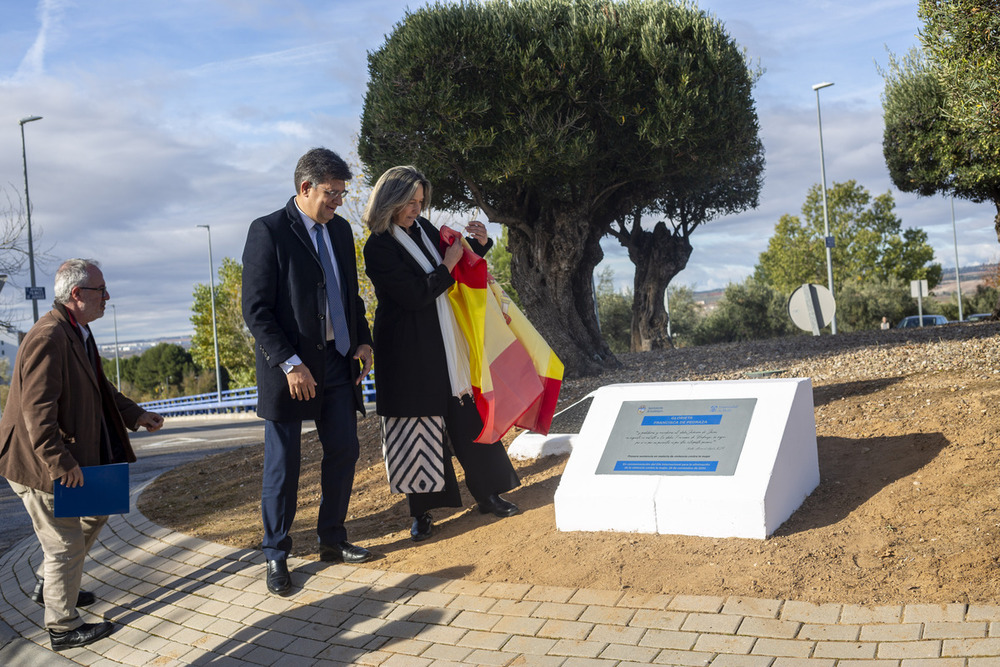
[{"x": 712, "y": 459}]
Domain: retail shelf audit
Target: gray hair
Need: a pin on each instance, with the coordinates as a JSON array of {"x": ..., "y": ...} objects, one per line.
[
  {"x": 394, "y": 190},
  {"x": 72, "y": 273},
  {"x": 319, "y": 165}
]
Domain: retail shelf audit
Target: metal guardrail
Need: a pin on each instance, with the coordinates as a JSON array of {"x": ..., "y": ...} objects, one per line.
[{"x": 233, "y": 401}]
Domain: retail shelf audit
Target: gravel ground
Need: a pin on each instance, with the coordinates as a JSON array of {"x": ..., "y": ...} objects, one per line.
[{"x": 862, "y": 355}]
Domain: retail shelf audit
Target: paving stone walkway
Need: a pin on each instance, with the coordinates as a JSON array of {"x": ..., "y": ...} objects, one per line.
[{"x": 179, "y": 600}]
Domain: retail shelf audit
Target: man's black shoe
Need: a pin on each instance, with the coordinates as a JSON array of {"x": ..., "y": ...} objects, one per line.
[
  {"x": 343, "y": 551},
  {"x": 88, "y": 633},
  {"x": 83, "y": 599},
  {"x": 279, "y": 581},
  {"x": 421, "y": 528},
  {"x": 498, "y": 506}
]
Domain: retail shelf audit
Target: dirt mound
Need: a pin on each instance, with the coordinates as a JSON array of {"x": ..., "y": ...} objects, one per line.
[{"x": 906, "y": 510}]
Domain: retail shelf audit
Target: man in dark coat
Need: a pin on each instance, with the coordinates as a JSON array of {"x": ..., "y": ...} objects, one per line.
[
  {"x": 301, "y": 303},
  {"x": 63, "y": 414}
]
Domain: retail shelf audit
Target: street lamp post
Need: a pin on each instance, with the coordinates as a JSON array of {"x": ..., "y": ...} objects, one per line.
[
  {"x": 27, "y": 204},
  {"x": 828, "y": 240},
  {"x": 118, "y": 369},
  {"x": 215, "y": 329},
  {"x": 958, "y": 278}
]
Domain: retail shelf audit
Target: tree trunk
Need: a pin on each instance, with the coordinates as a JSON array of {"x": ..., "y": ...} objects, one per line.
[
  {"x": 552, "y": 269},
  {"x": 996, "y": 226},
  {"x": 658, "y": 256}
]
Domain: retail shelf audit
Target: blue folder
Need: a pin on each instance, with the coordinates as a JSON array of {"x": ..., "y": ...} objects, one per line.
[{"x": 104, "y": 492}]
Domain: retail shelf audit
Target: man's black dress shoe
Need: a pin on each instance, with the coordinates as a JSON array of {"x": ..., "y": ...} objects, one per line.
[
  {"x": 83, "y": 599},
  {"x": 421, "y": 528},
  {"x": 279, "y": 581},
  {"x": 343, "y": 551},
  {"x": 88, "y": 633},
  {"x": 498, "y": 506}
]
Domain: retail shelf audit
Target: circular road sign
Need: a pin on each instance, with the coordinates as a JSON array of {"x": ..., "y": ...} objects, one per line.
[{"x": 811, "y": 307}]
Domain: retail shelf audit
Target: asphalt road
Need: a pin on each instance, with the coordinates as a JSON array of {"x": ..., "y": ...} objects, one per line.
[{"x": 181, "y": 440}]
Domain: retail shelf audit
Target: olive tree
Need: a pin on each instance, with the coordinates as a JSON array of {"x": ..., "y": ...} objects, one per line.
[
  {"x": 661, "y": 253},
  {"x": 927, "y": 149},
  {"x": 960, "y": 38},
  {"x": 557, "y": 118}
]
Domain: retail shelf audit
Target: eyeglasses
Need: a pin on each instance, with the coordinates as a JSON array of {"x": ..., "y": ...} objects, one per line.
[
  {"x": 103, "y": 289},
  {"x": 334, "y": 194}
]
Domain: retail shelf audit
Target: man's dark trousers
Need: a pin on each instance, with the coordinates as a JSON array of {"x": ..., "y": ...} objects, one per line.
[{"x": 337, "y": 429}]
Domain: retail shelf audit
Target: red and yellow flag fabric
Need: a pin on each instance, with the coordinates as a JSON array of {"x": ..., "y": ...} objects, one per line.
[{"x": 516, "y": 376}]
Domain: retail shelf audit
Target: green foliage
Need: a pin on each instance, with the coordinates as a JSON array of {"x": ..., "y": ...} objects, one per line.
[
  {"x": 160, "y": 370},
  {"x": 550, "y": 96},
  {"x": 5, "y": 377},
  {"x": 749, "y": 310},
  {"x": 365, "y": 287},
  {"x": 5, "y": 367},
  {"x": 950, "y": 309},
  {"x": 926, "y": 150},
  {"x": 983, "y": 300},
  {"x": 614, "y": 311},
  {"x": 961, "y": 39},
  {"x": 498, "y": 261},
  {"x": 236, "y": 354},
  {"x": 870, "y": 243},
  {"x": 685, "y": 314},
  {"x": 558, "y": 117},
  {"x": 862, "y": 305},
  {"x": 127, "y": 366}
]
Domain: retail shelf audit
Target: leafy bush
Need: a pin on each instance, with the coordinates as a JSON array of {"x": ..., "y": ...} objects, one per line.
[
  {"x": 498, "y": 261},
  {"x": 614, "y": 312},
  {"x": 983, "y": 300},
  {"x": 862, "y": 306},
  {"x": 685, "y": 315},
  {"x": 747, "y": 311}
]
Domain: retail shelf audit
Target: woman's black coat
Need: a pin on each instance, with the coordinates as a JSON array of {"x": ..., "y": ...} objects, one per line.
[{"x": 411, "y": 371}]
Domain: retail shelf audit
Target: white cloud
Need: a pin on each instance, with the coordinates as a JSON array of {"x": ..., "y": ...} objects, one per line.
[
  {"x": 162, "y": 116},
  {"x": 33, "y": 63}
]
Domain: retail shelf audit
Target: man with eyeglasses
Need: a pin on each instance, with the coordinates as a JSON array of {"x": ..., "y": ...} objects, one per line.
[
  {"x": 313, "y": 347},
  {"x": 63, "y": 415}
]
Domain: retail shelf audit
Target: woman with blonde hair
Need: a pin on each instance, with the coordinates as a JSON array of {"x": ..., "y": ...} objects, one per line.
[{"x": 424, "y": 395}]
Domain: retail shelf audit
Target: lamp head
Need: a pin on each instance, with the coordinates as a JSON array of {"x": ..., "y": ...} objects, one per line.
[
  {"x": 28, "y": 119},
  {"x": 822, "y": 85}
]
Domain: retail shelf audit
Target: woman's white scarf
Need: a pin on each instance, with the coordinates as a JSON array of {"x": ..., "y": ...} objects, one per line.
[{"x": 455, "y": 347}]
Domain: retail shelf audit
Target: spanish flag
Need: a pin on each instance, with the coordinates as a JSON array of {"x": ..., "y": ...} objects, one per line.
[{"x": 516, "y": 376}]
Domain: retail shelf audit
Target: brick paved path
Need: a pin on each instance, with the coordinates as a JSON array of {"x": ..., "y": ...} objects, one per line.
[{"x": 179, "y": 600}]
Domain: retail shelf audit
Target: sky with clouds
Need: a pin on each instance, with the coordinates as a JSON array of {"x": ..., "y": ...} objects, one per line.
[{"x": 160, "y": 117}]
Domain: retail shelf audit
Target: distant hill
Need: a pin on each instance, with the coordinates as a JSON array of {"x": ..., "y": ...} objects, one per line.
[
  {"x": 971, "y": 276},
  {"x": 134, "y": 347}
]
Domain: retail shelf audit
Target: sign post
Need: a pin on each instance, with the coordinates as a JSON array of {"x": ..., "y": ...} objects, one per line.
[
  {"x": 34, "y": 293},
  {"x": 811, "y": 307},
  {"x": 918, "y": 290}
]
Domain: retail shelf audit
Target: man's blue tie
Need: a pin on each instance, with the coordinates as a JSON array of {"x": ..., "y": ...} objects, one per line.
[{"x": 342, "y": 339}]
